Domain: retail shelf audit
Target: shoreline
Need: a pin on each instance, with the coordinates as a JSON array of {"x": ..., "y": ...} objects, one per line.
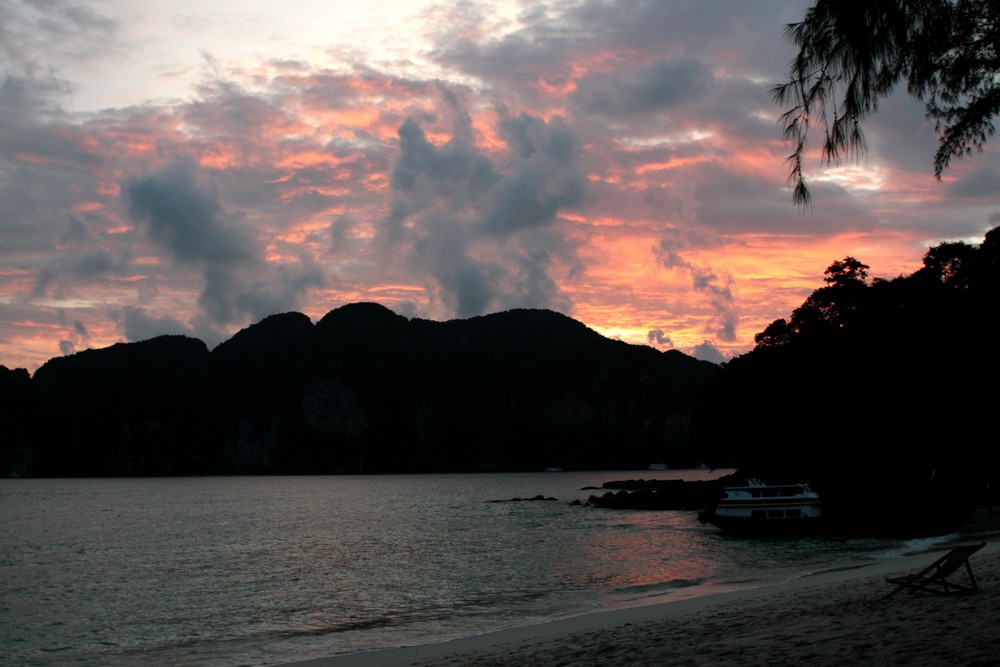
[{"x": 828, "y": 617}]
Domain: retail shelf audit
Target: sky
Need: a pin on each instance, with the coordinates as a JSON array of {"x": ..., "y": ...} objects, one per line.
[{"x": 190, "y": 168}]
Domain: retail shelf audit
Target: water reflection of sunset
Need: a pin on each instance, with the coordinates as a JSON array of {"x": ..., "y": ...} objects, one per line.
[{"x": 651, "y": 553}]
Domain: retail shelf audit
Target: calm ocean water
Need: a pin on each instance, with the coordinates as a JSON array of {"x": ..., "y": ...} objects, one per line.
[{"x": 260, "y": 570}]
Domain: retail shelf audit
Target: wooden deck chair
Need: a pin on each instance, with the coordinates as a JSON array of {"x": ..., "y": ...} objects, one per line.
[{"x": 934, "y": 577}]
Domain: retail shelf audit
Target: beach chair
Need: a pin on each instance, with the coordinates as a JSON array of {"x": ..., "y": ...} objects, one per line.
[{"x": 934, "y": 577}]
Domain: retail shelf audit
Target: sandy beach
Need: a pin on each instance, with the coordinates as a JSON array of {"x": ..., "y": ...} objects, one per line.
[{"x": 828, "y": 618}]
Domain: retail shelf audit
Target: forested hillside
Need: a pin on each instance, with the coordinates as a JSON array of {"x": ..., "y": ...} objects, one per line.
[{"x": 892, "y": 382}]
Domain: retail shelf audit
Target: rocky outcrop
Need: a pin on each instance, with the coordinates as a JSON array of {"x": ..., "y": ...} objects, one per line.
[{"x": 654, "y": 494}]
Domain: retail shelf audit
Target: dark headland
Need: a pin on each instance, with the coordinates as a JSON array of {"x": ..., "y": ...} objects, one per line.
[{"x": 361, "y": 391}]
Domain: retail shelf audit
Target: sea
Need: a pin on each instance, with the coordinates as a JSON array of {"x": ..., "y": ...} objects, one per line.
[{"x": 227, "y": 571}]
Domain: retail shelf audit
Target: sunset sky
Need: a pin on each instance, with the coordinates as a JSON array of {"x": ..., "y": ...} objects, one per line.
[{"x": 177, "y": 167}]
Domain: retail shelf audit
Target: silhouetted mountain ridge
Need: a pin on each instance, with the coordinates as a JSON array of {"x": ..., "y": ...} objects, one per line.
[{"x": 362, "y": 390}]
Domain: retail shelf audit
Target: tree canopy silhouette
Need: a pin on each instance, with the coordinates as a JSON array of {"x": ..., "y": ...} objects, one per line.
[
  {"x": 853, "y": 54},
  {"x": 886, "y": 380}
]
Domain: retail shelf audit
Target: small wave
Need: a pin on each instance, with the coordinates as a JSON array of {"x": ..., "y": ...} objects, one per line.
[
  {"x": 644, "y": 592},
  {"x": 840, "y": 568},
  {"x": 346, "y": 626},
  {"x": 400, "y": 618},
  {"x": 660, "y": 587},
  {"x": 736, "y": 582},
  {"x": 424, "y": 616},
  {"x": 922, "y": 545},
  {"x": 680, "y": 589},
  {"x": 54, "y": 649}
]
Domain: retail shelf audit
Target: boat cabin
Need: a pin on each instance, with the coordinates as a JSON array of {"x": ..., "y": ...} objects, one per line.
[{"x": 761, "y": 501}]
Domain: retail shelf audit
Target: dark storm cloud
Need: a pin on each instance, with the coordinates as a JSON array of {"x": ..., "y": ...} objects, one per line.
[
  {"x": 84, "y": 265},
  {"x": 661, "y": 85},
  {"x": 464, "y": 216},
  {"x": 900, "y": 134},
  {"x": 225, "y": 109},
  {"x": 748, "y": 30},
  {"x": 455, "y": 170},
  {"x": 25, "y": 98},
  {"x": 77, "y": 336},
  {"x": 466, "y": 285},
  {"x": 552, "y": 42},
  {"x": 136, "y": 324},
  {"x": 58, "y": 145},
  {"x": 95, "y": 262},
  {"x": 76, "y": 231},
  {"x": 44, "y": 161},
  {"x": 650, "y": 23},
  {"x": 186, "y": 218},
  {"x": 668, "y": 254},
  {"x": 539, "y": 50},
  {"x": 675, "y": 241},
  {"x": 659, "y": 337},
  {"x": 706, "y": 351},
  {"x": 521, "y": 278},
  {"x": 683, "y": 79},
  {"x": 704, "y": 279},
  {"x": 981, "y": 180},
  {"x": 32, "y": 31},
  {"x": 733, "y": 201},
  {"x": 182, "y": 212},
  {"x": 340, "y": 233},
  {"x": 229, "y": 296},
  {"x": 534, "y": 287},
  {"x": 220, "y": 294},
  {"x": 280, "y": 289},
  {"x": 24, "y": 216},
  {"x": 721, "y": 297},
  {"x": 542, "y": 175}
]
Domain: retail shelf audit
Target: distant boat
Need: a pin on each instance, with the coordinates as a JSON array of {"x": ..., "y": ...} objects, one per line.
[
  {"x": 658, "y": 466},
  {"x": 554, "y": 469},
  {"x": 795, "y": 509},
  {"x": 701, "y": 466},
  {"x": 762, "y": 509}
]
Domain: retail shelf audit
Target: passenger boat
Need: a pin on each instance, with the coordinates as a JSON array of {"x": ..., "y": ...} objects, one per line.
[{"x": 764, "y": 509}]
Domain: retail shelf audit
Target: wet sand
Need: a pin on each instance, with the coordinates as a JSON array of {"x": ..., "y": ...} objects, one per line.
[{"x": 830, "y": 618}]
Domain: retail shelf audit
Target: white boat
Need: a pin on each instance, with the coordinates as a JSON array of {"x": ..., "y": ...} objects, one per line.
[
  {"x": 759, "y": 508},
  {"x": 658, "y": 466}
]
